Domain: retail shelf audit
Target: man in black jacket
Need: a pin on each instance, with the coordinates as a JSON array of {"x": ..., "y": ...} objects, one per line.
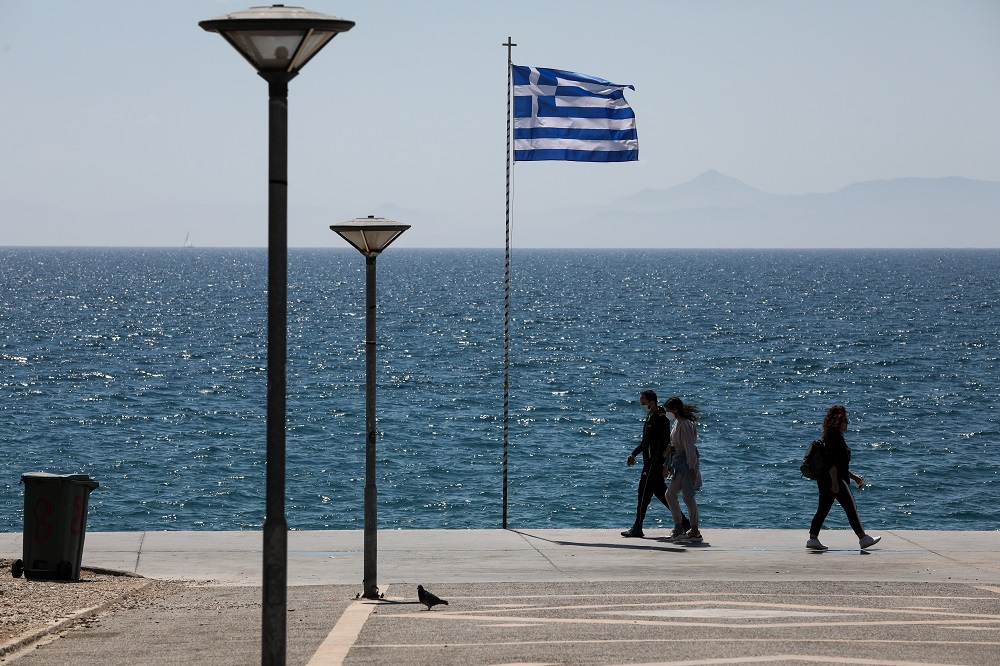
[{"x": 653, "y": 447}]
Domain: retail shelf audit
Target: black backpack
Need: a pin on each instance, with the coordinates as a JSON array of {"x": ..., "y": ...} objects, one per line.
[{"x": 814, "y": 464}]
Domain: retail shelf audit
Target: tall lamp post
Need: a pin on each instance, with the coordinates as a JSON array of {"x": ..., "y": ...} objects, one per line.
[
  {"x": 370, "y": 236},
  {"x": 278, "y": 41}
]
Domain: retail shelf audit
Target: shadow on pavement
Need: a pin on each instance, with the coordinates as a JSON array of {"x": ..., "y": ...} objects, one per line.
[{"x": 623, "y": 546}]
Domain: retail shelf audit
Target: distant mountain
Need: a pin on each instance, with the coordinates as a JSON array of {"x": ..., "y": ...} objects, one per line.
[
  {"x": 715, "y": 210},
  {"x": 712, "y": 211},
  {"x": 710, "y": 189}
]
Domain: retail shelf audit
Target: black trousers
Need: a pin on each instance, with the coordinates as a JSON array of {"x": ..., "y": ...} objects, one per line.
[
  {"x": 651, "y": 484},
  {"x": 826, "y": 498}
]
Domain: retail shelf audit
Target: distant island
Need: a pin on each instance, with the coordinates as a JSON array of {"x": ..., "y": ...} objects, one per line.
[
  {"x": 711, "y": 211},
  {"x": 715, "y": 210}
]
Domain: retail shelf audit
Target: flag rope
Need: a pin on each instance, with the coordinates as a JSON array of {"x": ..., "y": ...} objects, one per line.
[{"x": 506, "y": 289}]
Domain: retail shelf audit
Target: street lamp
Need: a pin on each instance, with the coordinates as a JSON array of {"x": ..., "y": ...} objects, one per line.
[
  {"x": 370, "y": 236},
  {"x": 278, "y": 41}
]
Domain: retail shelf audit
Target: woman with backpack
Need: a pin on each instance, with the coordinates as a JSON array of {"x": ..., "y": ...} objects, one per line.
[{"x": 836, "y": 486}]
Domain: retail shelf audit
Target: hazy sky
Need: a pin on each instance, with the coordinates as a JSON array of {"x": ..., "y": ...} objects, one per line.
[{"x": 118, "y": 106}]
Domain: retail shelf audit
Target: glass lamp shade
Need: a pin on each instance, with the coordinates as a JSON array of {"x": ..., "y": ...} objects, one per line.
[
  {"x": 370, "y": 235},
  {"x": 277, "y": 38}
]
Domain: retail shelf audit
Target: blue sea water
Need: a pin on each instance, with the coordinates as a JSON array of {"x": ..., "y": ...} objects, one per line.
[{"x": 145, "y": 368}]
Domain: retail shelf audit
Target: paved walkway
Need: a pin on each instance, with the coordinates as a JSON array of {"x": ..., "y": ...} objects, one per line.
[{"x": 555, "y": 597}]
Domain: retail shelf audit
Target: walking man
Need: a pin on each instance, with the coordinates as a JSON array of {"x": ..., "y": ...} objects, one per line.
[{"x": 653, "y": 447}]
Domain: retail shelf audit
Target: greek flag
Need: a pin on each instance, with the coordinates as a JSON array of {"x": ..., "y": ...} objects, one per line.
[{"x": 561, "y": 115}]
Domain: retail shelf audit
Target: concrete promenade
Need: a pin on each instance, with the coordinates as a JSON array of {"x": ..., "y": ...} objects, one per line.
[{"x": 574, "y": 596}]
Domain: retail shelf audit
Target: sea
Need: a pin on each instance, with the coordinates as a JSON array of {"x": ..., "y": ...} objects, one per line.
[{"x": 146, "y": 369}]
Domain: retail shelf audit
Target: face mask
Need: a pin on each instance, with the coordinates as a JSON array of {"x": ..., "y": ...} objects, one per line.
[{"x": 671, "y": 416}]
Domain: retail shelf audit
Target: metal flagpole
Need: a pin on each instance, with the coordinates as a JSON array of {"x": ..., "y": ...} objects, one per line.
[{"x": 506, "y": 295}]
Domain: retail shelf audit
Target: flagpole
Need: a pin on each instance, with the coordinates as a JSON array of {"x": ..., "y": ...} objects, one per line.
[
  {"x": 506, "y": 295},
  {"x": 615, "y": 141}
]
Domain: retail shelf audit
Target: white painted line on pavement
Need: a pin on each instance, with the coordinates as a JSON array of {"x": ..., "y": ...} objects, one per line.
[
  {"x": 771, "y": 658},
  {"x": 334, "y": 648},
  {"x": 726, "y": 613}
]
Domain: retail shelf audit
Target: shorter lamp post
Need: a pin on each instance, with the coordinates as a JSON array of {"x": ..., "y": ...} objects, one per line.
[{"x": 370, "y": 236}]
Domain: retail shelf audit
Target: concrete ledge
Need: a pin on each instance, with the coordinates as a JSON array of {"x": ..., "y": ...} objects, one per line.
[{"x": 573, "y": 555}]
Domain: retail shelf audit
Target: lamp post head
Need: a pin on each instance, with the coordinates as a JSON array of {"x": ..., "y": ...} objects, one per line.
[
  {"x": 277, "y": 39},
  {"x": 369, "y": 235}
]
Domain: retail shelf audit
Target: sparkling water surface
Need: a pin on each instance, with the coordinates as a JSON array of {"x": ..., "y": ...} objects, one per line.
[{"x": 145, "y": 368}]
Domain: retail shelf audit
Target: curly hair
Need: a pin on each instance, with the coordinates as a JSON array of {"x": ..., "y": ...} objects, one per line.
[{"x": 834, "y": 418}]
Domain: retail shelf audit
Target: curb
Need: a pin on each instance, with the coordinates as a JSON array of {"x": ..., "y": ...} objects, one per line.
[
  {"x": 26, "y": 639},
  {"x": 110, "y": 572}
]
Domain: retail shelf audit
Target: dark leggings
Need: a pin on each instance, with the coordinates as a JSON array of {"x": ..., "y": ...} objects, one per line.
[
  {"x": 650, "y": 483},
  {"x": 826, "y": 498}
]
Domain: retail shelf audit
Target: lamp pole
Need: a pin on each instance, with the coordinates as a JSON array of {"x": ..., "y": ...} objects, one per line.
[
  {"x": 278, "y": 41},
  {"x": 370, "y": 580},
  {"x": 370, "y": 236}
]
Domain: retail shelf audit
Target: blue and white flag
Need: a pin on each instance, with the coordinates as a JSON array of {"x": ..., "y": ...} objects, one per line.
[{"x": 561, "y": 115}]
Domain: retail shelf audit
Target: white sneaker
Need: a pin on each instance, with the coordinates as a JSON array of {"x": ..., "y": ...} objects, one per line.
[
  {"x": 814, "y": 544},
  {"x": 867, "y": 541}
]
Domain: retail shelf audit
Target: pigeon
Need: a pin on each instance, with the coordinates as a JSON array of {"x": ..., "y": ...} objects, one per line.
[{"x": 428, "y": 599}]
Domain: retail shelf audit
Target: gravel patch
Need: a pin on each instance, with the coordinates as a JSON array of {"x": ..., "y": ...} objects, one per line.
[{"x": 32, "y": 608}]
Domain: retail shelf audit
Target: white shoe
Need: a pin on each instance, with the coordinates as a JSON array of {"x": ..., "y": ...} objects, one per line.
[
  {"x": 867, "y": 541},
  {"x": 814, "y": 544}
]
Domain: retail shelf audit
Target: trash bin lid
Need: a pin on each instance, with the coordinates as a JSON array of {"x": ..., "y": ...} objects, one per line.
[{"x": 84, "y": 479}]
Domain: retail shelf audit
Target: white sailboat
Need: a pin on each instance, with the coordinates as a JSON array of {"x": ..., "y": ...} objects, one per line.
[{"x": 187, "y": 240}]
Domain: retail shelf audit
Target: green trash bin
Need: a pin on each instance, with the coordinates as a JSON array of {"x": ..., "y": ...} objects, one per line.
[{"x": 55, "y": 524}]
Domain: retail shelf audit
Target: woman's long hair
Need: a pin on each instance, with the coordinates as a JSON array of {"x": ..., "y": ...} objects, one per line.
[
  {"x": 834, "y": 419},
  {"x": 681, "y": 410}
]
